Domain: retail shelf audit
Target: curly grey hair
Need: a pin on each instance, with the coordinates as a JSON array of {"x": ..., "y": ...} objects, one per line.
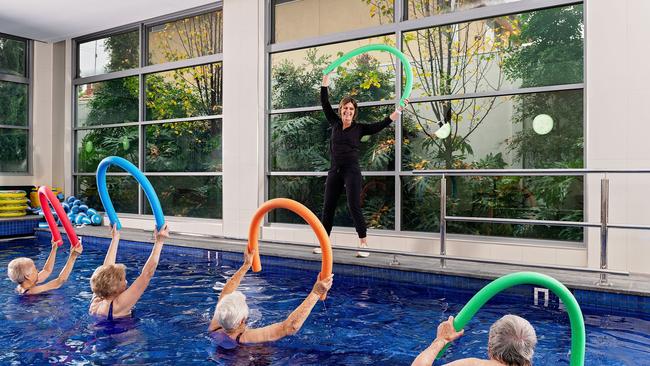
[{"x": 512, "y": 341}]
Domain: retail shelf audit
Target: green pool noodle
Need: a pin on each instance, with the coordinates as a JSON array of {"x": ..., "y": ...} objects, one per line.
[
  {"x": 379, "y": 47},
  {"x": 578, "y": 337}
]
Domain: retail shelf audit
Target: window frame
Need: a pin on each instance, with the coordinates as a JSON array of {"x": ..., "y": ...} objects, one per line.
[
  {"x": 141, "y": 72},
  {"x": 28, "y": 80},
  {"x": 400, "y": 26}
]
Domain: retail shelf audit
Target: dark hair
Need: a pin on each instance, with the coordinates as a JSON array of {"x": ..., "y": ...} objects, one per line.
[{"x": 346, "y": 100}]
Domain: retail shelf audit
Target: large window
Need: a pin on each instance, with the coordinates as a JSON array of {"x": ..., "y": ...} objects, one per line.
[
  {"x": 501, "y": 66},
  {"x": 15, "y": 83},
  {"x": 157, "y": 105}
]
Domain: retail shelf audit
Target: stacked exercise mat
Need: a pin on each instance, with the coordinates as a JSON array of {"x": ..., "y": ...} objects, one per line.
[{"x": 13, "y": 203}]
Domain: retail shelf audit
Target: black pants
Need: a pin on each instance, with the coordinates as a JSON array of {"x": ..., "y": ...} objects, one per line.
[{"x": 339, "y": 177}]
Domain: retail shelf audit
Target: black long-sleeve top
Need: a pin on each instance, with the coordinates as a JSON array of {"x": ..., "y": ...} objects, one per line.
[{"x": 344, "y": 143}]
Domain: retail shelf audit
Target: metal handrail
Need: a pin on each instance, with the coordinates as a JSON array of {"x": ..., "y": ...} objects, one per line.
[{"x": 604, "y": 224}]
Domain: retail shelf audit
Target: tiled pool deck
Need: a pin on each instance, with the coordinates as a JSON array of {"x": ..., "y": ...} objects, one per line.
[{"x": 627, "y": 293}]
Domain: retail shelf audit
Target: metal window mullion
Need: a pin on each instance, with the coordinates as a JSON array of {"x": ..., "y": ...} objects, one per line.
[
  {"x": 141, "y": 144},
  {"x": 398, "y": 125},
  {"x": 30, "y": 106},
  {"x": 501, "y": 93},
  {"x": 185, "y": 119},
  {"x": 151, "y": 69},
  {"x": 379, "y": 103},
  {"x": 157, "y": 174},
  {"x": 17, "y": 127},
  {"x": 15, "y": 78},
  {"x": 99, "y": 127}
]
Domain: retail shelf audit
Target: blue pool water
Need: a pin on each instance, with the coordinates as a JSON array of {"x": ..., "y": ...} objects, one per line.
[{"x": 363, "y": 322}]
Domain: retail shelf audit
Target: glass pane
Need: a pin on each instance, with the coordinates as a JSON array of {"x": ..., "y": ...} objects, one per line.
[
  {"x": 122, "y": 189},
  {"x": 539, "y": 48},
  {"x": 296, "y": 76},
  {"x": 182, "y": 39},
  {"x": 13, "y": 151},
  {"x": 536, "y": 198},
  {"x": 420, "y": 203},
  {"x": 312, "y": 18},
  {"x": 12, "y": 56},
  {"x": 426, "y": 8},
  {"x": 532, "y": 131},
  {"x": 114, "y": 53},
  {"x": 377, "y": 200},
  {"x": 189, "y": 196},
  {"x": 300, "y": 142},
  {"x": 188, "y": 92},
  {"x": 108, "y": 102},
  {"x": 94, "y": 145},
  {"x": 14, "y": 104},
  {"x": 184, "y": 147}
]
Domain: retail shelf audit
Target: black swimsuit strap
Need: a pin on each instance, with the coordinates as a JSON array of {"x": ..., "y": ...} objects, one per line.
[{"x": 110, "y": 311}]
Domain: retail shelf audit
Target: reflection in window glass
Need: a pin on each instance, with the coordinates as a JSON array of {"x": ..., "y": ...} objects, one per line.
[
  {"x": 377, "y": 200},
  {"x": 186, "y": 38},
  {"x": 184, "y": 147},
  {"x": 108, "y": 102},
  {"x": 420, "y": 203},
  {"x": 189, "y": 92},
  {"x": 189, "y": 196},
  {"x": 498, "y": 53},
  {"x": 296, "y": 75},
  {"x": 114, "y": 53},
  {"x": 495, "y": 133},
  {"x": 300, "y": 142},
  {"x": 13, "y": 104},
  {"x": 426, "y": 8},
  {"x": 123, "y": 191},
  {"x": 94, "y": 145},
  {"x": 13, "y": 150},
  {"x": 13, "y": 54},
  {"x": 311, "y": 18}
]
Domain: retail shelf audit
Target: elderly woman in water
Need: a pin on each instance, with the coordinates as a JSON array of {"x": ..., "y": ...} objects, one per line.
[
  {"x": 229, "y": 321},
  {"x": 511, "y": 342}
]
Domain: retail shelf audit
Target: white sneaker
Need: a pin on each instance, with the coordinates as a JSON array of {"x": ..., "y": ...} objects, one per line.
[
  {"x": 361, "y": 254},
  {"x": 317, "y": 250}
]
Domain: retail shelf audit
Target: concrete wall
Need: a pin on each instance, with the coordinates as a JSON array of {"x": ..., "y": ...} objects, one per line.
[{"x": 617, "y": 128}]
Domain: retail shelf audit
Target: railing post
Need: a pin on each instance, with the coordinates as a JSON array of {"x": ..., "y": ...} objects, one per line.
[
  {"x": 604, "y": 218},
  {"x": 443, "y": 221}
]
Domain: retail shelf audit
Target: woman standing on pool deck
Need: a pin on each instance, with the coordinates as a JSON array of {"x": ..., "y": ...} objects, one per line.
[
  {"x": 231, "y": 313},
  {"x": 111, "y": 297},
  {"x": 344, "y": 151}
]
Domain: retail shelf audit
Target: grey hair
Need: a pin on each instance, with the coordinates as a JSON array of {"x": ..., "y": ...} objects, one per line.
[
  {"x": 17, "y": 269},
  {"x": 512, "y": 341},
  {"x": 231, "y": 310}
]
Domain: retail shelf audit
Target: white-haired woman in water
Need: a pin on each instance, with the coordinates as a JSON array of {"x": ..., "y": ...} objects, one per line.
[{"x": 229, "y": 321}]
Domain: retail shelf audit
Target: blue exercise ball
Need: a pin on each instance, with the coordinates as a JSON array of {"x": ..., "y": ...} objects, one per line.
[
  {"x": 78, "y": 219},
  {"x": 82, "y": 214},
  {"x": 71, "y": 200},
  {"x": 66, "y": 207},
  {"x": 96, "y": 219},
  {"x": 86, "y": 221},
  {"x": 74, "y": 209},
  {"x": 91, "y": 211},
  {"x": 83, "y": 208},
  {"x": 77, "y": 202}
]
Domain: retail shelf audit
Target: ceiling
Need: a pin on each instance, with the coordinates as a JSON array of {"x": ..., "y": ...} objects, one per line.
[{"x": 56, "y": 20}]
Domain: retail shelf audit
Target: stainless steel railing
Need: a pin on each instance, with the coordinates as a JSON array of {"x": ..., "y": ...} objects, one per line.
[{"x": 604, "y": 224}]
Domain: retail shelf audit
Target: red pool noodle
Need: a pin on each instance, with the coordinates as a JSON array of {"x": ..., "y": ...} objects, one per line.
[{"x": 44, "y": 195}]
